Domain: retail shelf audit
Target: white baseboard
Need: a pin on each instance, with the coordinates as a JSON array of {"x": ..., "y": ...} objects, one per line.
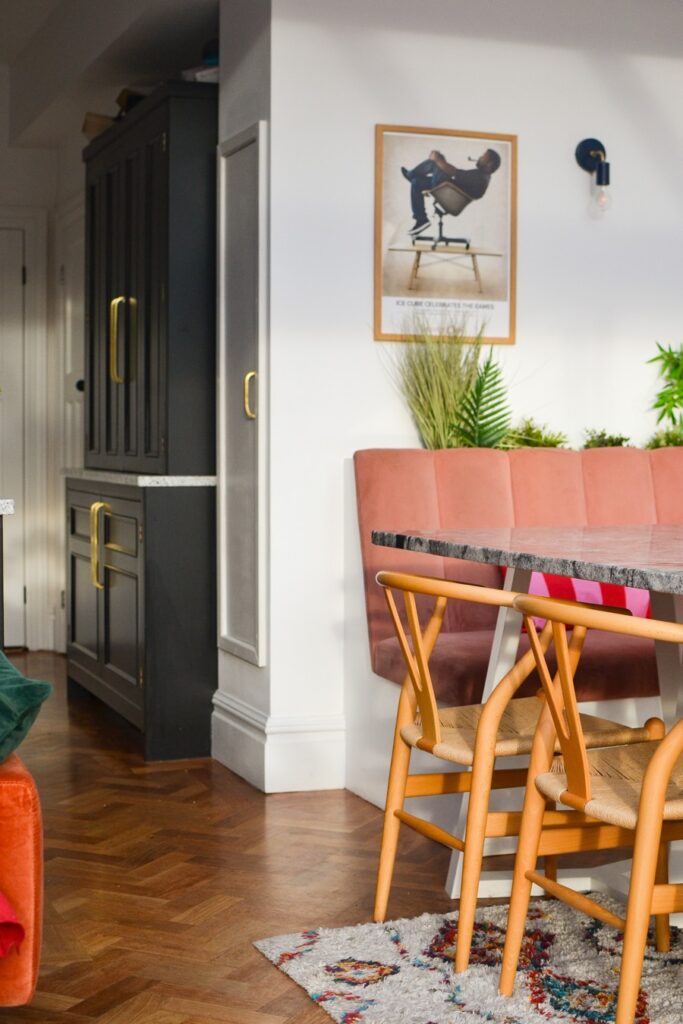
[{"x": 278, "y": 754}]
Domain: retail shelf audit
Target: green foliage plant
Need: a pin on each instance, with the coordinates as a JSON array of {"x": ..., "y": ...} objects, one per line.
[
  {"x": 601, "y": 439},
  {"x": 529, "y": 434},
  {"x": 483, "y": 416},
  {"x": 434, "y": 372},
  {"x": 667, "y": 437},
  {"x": 669, "y": 400}
]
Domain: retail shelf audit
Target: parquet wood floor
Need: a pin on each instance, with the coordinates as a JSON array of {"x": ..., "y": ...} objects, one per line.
[{"x": 158, "y": 877}]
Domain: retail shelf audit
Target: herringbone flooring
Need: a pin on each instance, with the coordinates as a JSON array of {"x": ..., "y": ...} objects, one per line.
[{"x": 158, "y": 877}]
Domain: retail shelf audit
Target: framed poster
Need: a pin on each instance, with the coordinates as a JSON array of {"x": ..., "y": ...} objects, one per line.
[{"x": 445, "y": 233}]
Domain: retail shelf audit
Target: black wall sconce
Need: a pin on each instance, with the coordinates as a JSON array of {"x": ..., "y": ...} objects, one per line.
[{"x": 591, "y": 156}]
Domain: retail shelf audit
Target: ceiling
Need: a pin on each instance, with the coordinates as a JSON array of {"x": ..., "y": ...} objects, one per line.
[{"x": 67, "y": 57}]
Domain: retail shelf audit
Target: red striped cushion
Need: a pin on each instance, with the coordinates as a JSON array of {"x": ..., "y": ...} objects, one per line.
[{"x": 547, "y": 585}]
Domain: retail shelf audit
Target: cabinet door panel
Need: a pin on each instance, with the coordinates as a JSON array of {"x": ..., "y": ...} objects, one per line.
[
  {"x": 111, "y": 255},
  {"x": 132, "y": 290},
  {"x": 120, "y": 600},
  {"x": 152, "y": 354},
  {"x": 93, "y": 321},
  {"x": 83, "y": 621},
  {"x": 83, "y": 626},
  {"x": 121, "y": 616}
]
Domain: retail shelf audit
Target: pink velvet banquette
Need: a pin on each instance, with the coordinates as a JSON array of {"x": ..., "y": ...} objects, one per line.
[{"x": 404, "y": 489}]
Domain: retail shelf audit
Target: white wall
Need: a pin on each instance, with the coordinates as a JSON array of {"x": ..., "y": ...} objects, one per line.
[
  {"x": 592, "y": 296},
  {"x": 245, "y": 65}
]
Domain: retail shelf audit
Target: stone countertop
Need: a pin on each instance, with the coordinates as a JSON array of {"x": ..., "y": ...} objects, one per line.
[
  {"x": 647, "y": 556},
  {"x": 6, "y": 506},
  {"x": 139, "y": 479}
]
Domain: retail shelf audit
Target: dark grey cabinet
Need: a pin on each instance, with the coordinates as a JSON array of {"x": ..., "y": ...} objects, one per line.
[
  {"x": 150, "y": 286},
  {"x": 142, "y": 563},
  {"x": 142, "y": 608}
]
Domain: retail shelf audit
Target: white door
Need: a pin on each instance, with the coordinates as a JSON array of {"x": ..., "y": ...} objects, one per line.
[
  {"x": 73, "y": 330},
  {"x": 12, "y": 428}
]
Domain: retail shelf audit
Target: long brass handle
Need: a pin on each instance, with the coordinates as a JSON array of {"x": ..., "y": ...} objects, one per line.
[
  {"x": 248, "y": 411},
  {"x": 114, "y": 339},
  {"x": 95, "y": 510}
]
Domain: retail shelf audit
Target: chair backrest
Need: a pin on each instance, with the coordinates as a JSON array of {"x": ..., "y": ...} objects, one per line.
[
  {"x": 418, "y": 649},
  {"x": 451, "y": 198},
  {"x": 560, "y": 693}
]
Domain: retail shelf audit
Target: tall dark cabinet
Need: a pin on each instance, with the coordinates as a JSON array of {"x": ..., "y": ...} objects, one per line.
[
  {"x": 141, "y": 515},
  {"x": 150, "y": 287}
]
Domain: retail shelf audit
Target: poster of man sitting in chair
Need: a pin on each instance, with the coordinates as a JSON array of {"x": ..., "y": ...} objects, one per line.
[{"x": 445, "y": 233}]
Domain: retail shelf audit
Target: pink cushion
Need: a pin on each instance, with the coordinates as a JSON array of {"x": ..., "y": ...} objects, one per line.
[
  {"x": 667, "y": 477},
  {"x": 611, "y": 666},
  {"x": 619, "y": 487},
  {"x": 547, "y": 487}
]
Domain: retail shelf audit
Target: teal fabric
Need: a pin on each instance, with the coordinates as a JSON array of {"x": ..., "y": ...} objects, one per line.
[{"x": 20, "y": 701}]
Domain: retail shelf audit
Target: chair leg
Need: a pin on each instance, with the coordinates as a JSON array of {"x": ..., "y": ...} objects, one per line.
[
  {"x": 396, "y": 788},
  {"x": 646, "y": 859},
  {"x": 662, "y": 930},
  {"x": 475, "y": 834},
  {"x": 527, "y": 856},
  {"x": 550, "y": 861}
]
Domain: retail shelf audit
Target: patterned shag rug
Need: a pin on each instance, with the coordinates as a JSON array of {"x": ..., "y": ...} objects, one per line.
[{"x": 401, "y": 972}]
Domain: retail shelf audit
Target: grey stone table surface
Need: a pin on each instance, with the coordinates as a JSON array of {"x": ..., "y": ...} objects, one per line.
[
  {"x": 647, "y": 556},
  {"x": 6, "y": 506}
]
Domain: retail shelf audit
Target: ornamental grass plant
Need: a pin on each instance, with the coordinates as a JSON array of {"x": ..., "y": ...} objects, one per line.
[{"x": 434, "y": 372}]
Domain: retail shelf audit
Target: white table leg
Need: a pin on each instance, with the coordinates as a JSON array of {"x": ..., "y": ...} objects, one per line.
[
  {"x": 670, "y": 608},
  {"x": 502, "y": 658}
]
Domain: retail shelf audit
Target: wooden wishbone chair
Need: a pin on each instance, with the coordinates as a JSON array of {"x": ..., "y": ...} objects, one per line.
[
  {"x": 472, "y": 736},
  {"x": 622, "y": 796}
]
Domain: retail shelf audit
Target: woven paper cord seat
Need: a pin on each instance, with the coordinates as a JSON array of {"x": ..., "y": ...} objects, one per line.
[
  {"x": 515, "y": 731},
  {"x": 616, "y": 781}
]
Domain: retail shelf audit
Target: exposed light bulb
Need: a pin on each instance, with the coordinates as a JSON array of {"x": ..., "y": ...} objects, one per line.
[
  {"x": 603, "y": 198},
  {"x": 601, "y": 201}
]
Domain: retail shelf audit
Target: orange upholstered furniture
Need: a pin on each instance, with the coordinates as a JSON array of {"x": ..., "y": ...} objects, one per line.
[
  {"x": 21, "y": 877},
  {"x": 404, "y": 489}
]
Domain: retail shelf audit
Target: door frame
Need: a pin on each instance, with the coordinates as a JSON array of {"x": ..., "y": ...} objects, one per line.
[
  {"x": 68, "y": 214},
  {"x": 33, "y": 222}
]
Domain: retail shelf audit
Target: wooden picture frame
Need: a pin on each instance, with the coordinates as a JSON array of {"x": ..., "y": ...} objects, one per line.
[{"x": 459, "y": 272}]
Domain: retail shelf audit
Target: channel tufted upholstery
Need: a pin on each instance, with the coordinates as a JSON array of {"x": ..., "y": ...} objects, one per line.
[{"x": 459, "y": 488}]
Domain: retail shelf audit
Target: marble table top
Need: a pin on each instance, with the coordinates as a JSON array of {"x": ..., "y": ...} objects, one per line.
[
  {"x": 647, "y": 556},
  {"x": 6, "y": 506}
]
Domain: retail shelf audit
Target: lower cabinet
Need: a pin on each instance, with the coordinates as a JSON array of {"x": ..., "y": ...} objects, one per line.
[{"x": 142, "y": 608}]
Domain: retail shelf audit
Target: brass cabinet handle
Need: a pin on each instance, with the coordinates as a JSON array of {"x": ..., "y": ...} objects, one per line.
[
  {"x": 114, "y": 339},
  {"x": 248, "y": 411},
  {"x": 95, "y": 510}
]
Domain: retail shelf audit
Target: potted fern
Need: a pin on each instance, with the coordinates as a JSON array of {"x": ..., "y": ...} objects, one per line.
[{"x": 669, "y": 399}]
